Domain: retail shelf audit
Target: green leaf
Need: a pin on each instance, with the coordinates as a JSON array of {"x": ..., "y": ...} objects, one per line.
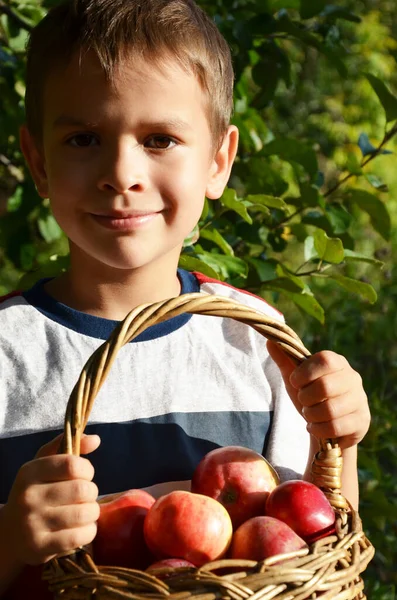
[
  {"x": 287, "y": 26},
  {"x": 191, "y": 263},
  {"x": 357, "y": 287},
  {"x": 289, "y": 149},
  {"x": 328, "y": 249},
  {"x": 310, "y": 8},
  {"x": 15, "y": 201},
  {"x": 309, "y": 250},
  {"x": 351, "y": 256},
  {"x": 365, "y": 145},
  {"x": 49, "y": 228},
  {"x": 192, "y": 237},
  {"x": 377, "y": 182},
  {"x": 214, "y": 236},
  {"x": 285, "y": 284},
  {"x": 308, "y": 304},
  {"x": 229, "y": 200},
  {"x": 226, "y": 266},
  {"x": 265, "y": 200},
  {"x": 205, "y": 211},
  {"x": 339, "y": 217},
  {"x": 27, "y": 255},
  {"x": 353, "y": 165},
  {"x": 375, "y": 208},
  {"x": 18, "y": 43},
  {"x": 317, "y": 219},
  {"x": 311, "y": 195},
  {"x": 53, "y": 267},
  {"x": 388, "y": 101},
  {"x": 266, "y": 269}
]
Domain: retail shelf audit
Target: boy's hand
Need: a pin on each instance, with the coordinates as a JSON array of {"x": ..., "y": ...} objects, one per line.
[
  {"x": 52, "y": 505},
  {"x": 329, "y": 394}
]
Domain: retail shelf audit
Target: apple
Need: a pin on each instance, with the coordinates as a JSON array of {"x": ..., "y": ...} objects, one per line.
[
  {"x": 261, "y": 537},
  {"x": 174, "y": 563},
  {"x": 304, "y": 507},
  {"x": 166, "y": 565},
  {"x": 191, "y": 526},
  {"x": 238, "y": 478},
  {"x": 119, "y": 540}
]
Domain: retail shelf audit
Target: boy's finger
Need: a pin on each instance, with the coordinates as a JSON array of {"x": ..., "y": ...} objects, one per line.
[
  {"x": 316, "y": 366},
  {"x": 61, "y": 467},
  {"x": 69, "y": 492},
  {"x": 89, "y": 443},
  {"x": 325, "y": 388}
]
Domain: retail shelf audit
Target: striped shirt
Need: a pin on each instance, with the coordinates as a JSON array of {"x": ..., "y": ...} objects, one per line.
[{"x": 180, "y": 389}]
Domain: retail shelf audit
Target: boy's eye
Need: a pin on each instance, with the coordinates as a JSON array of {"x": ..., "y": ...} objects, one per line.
[
  {"x": 83, "y": 140},
  {"x": 160, "y": 142}
]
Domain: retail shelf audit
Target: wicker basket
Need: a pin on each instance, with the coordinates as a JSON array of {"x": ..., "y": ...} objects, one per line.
[{"x": 329, "y": 568}]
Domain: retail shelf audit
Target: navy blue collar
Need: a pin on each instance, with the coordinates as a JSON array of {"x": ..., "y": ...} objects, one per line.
[{"x": 98, "y": 327}]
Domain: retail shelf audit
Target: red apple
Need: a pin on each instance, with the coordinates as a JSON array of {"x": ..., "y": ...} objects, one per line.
[
  {"x": 190, "y": 526},
  {"x": 174, "y": 563},
  {"x": 167, "y": 564},
  {"x": 119, "y": 540},
  {"x": 238, "y": 478},
  {"x": 304, "y": 507},
  {"x": 261, "y": 537}
]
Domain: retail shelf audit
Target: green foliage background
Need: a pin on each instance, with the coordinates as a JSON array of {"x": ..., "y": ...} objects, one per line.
[{"x": 309, "y": 218}]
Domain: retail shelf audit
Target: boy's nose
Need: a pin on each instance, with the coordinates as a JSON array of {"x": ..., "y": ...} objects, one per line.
[{"x": 123, "y": 170}]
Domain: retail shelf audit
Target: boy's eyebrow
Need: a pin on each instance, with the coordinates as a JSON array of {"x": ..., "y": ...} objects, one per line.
[
  {"x": 173, "y": 123},
  {"x": 68, "y": 121}
]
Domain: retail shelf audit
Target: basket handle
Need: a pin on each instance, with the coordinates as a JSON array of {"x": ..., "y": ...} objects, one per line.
[{"x": 327, "y": 464}]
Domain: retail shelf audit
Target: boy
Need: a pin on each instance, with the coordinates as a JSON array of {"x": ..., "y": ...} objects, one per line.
[{"x": 128, "y": 107}]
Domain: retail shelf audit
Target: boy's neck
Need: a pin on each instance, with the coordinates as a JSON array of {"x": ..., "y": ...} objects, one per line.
[{"x": 114, "y": 294}]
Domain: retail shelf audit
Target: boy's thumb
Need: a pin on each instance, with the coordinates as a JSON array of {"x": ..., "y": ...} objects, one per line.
[
  {"x": 283, "y": 361},
  {"x": 50, "y": 448},
  {"x": 88, "y": 444}
]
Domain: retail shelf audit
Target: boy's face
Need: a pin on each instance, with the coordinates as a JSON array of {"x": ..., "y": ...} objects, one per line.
[{"x": 127, "y": 165}]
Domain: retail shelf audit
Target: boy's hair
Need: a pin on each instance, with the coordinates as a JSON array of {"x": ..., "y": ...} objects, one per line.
[{"x": 157, "y": 30}]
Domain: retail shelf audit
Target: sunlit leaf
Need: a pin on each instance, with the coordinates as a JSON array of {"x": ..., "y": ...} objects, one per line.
[
  {"x": 229, "y": 200},
  {"x": 227, "y": 266},
  {"x": 269, "y": 201},
  {"x": 192, "y": 237},
  {"x": 191, "y": 263},
  {"x": 377, "y": 182},
  {"x": 49, "y": 228},
  {"x": 328, "y": 249},
  {"x": 214, "y": 236}
]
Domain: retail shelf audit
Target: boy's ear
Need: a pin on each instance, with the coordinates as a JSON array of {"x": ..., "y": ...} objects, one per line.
[
  {"x": 222, "y": 164},
  {"x": 34, "y": 156}
]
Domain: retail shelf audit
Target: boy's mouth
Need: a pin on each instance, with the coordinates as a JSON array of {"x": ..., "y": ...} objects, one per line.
[{"x": 126, "y": 221}]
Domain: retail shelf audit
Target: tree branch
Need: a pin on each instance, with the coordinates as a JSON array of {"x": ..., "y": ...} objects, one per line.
[{"x": 388, "y": 136}]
